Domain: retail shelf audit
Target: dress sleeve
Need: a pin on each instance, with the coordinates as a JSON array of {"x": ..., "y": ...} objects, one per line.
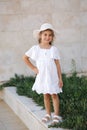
[
  {"x": 55, "y": 53},
  {"x": 32, "y": 53}
]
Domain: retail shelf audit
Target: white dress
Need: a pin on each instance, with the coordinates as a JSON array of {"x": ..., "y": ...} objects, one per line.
[{"x": 47, "y": 79}]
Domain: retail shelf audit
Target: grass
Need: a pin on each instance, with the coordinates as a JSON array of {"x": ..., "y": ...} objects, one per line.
[{"x": 73, "y": 100}]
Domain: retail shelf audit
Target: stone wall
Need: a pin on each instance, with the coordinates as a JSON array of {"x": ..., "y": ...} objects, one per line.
[{"x": 18, "y": 19}]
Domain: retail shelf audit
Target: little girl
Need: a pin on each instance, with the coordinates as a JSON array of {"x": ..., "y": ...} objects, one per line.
[{"x": 47, "y": 69}]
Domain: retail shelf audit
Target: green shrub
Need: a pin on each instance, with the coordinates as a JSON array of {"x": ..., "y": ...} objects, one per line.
[
  {"x": 73, "y": 100},
  {"x": 73, "y": 103}
]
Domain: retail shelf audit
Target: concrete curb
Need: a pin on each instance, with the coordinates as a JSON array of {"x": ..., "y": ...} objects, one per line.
[{"x": 25, "y": 109}]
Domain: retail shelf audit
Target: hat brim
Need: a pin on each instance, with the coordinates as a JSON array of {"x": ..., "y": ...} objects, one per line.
[{"x": 36, "y": 34}]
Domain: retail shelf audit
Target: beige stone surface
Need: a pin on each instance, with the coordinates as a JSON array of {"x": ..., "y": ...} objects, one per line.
[
  {"x": 8, "y": 120},
  {"x": 83, "y": 5},
  {"x": 18, "y": 19},
  {"x": 66, "y": 5},
  {"x": 9, "y": 7}
]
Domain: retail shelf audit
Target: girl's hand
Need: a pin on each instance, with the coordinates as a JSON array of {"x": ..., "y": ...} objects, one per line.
[
  {"x": 60, "y": 83},
  {"x": 36, "y": 71}
]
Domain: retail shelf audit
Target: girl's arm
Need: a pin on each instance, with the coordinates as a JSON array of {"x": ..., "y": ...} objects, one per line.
[
  {"x": 28, "y": 62},
  {"x": 59, "y": 73}
]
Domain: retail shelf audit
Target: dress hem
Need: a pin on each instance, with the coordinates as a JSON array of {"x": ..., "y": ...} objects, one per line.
[{"x": 48, "y": 92}]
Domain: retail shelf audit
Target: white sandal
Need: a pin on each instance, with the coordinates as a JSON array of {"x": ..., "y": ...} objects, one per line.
[
  {"x": 46, "y": 118},
  {"x": 56, "y": 119}
]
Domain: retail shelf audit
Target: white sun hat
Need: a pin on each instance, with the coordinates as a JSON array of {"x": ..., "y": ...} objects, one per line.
[{"x": 43, "y": 27}]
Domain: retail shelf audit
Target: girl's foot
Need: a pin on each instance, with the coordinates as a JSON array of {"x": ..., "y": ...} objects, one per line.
[
  {"x": 56, "y": 119},
  {"x": 46, "y": 118}
]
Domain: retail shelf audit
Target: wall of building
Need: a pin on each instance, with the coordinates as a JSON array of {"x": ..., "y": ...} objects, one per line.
[{"x": 18, "y": 19}]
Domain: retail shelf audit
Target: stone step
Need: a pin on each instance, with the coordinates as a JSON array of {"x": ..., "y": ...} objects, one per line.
[
  {"x": 8, "y": 119},
  {"x": 26, "y": 109}
]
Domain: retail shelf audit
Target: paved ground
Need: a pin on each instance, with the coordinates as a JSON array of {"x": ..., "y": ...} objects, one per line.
[{"x": 8, "y": 120}]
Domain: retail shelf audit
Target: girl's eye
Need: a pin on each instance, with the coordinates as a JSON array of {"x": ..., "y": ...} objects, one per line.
[
  {"x": 48, "y": 35},
  {"x": 45, "y": 34}
]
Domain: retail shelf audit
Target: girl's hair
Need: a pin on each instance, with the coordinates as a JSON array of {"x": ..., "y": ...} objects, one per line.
[{"x": 39, "y": 38}]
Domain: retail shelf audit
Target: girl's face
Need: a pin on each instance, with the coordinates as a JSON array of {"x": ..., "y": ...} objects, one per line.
[{"x": 46, "y": 36}]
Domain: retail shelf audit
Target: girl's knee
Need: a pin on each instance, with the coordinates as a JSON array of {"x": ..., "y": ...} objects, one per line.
[
  {"x": 54, "y": 96},
  {"x": 46, "y": 96}
]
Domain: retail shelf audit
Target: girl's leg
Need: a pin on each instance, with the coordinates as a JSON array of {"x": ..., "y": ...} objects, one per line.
[
  {"x": 47, "y": 103},
  {"x": 56, "y": 117},
  {"x": 55, "y": 100}
]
